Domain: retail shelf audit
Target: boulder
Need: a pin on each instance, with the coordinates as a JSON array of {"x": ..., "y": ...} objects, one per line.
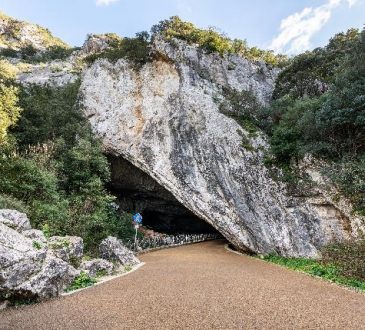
[
  {"x": 15, "y": 220},
  {"x": 67, "y": 248},
  {"x": 113, "y": 250},
  {"x": 35, "y": 235},
  {"x": 97, "y": 267},
  {"x": 27, "y": 271},
  {"x": 19, "y": 260},
  {"x": 51, "y": 280}
]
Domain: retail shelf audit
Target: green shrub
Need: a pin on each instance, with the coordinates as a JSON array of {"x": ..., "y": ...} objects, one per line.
[
  {"x": 9, "y": 202},
  {"x": 348, "y": 257},
  {"x": 349, "y": 175},
  {"x": 101, "y": 273},
  {"x": 31, "y": 55},
  {"x": 35, "y": 186},
  {"x": 46, "y": 230},
  {"x": 128, "y": 268},
  {"x": 81, "y": 281},
  {"x": 309, "y": 74},
  {"x": 330, "y": 123},
  {"x": 39, "y": 125},
  {"x": 9, "y": 107}
]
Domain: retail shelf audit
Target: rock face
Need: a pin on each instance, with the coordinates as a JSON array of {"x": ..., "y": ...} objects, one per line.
[
  {"x": 113, "y": 249},
  {"x": 55, "y": 74},
  {"x": 165, "y": 119},
  {"x": 97, "y": 42}
]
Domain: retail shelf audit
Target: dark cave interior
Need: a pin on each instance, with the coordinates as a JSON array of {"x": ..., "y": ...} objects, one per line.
[{"x": 162, "y": 212}]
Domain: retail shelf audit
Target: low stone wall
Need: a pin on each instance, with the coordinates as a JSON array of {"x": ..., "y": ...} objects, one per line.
[{"x": 158, "y": 242}]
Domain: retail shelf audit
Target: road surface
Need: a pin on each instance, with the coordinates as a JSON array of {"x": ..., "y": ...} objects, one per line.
[{"x": 199, "y": 286}]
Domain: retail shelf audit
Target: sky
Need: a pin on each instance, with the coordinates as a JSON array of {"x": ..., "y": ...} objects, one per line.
[{"x": 285, "y": 26}]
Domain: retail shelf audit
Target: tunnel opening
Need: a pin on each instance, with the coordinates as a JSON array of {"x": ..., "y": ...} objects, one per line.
[{"x": 136, "y": 191}]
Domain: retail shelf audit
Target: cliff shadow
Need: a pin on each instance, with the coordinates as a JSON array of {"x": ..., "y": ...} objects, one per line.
[{"x": 162, "y": 212}]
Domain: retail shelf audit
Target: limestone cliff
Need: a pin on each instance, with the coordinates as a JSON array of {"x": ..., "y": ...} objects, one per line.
[{"x": 165, "y": 119}]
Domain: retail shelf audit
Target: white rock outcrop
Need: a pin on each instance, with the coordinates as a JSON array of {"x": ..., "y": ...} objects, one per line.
[
  {"x": 112, "y": 249},
  {"x": 27, "y": 270},
  {"x": 67, "y": 248},
  {"x": 165, "y": 119}
]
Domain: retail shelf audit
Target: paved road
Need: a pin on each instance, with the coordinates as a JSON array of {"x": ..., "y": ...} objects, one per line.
[{"x": 199, "y": 286}]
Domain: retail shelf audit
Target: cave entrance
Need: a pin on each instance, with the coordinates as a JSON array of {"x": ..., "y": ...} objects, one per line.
[{"x": 162, "y": 212}]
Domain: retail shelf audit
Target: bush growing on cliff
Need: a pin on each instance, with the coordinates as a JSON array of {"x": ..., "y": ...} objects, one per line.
[
  {"x": 211, "y": 40},
  {"x": 309, "y": 74},
  {"x": 135, "y": 50},
  {"x": 349, "y": 175}
]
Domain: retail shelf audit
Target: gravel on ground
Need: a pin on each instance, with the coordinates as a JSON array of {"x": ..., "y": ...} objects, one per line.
[{"x": 199, "y": 286}]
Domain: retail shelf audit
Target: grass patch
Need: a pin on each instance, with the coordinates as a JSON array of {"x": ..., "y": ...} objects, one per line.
[
  {"x": 326, "y": 271},
  {"x": 128, "y": 268},
  {"x": 101, "y": 273}
]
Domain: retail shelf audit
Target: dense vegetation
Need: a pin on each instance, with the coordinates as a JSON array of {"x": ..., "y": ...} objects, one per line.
[
  {"x": 29, "y": 54},
  {"x": 9, "y": 110},
  {"x": 319, "y": 110},
  {"x": 53, "y": 168}
]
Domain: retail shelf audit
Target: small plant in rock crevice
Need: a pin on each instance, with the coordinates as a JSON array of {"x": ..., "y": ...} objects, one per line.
[
  {"x": 128, "y": 268},
  {"x": 81, "y": 281},
  {"x": 37, "y": 245},
  {"x": 101, "y": 273}
]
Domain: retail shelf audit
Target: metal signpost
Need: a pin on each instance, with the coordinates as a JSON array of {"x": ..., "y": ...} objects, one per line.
[{"x": 137, "y": 221}]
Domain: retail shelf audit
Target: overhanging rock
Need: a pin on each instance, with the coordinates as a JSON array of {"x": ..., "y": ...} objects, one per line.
[{"x": 165, "y": 120}]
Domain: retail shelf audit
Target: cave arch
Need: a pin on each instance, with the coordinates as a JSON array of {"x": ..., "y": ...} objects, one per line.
[{"x": 136, "y": 191}]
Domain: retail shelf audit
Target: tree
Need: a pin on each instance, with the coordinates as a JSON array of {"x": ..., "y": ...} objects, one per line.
[
  {"x": 9, "y": 109},
  {"x": 311, "y": 73},
  {"x": 342, "y": 117}
]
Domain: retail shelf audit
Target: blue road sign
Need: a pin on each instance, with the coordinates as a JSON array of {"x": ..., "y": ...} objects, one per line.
[{"x": 137, "y": 218}]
